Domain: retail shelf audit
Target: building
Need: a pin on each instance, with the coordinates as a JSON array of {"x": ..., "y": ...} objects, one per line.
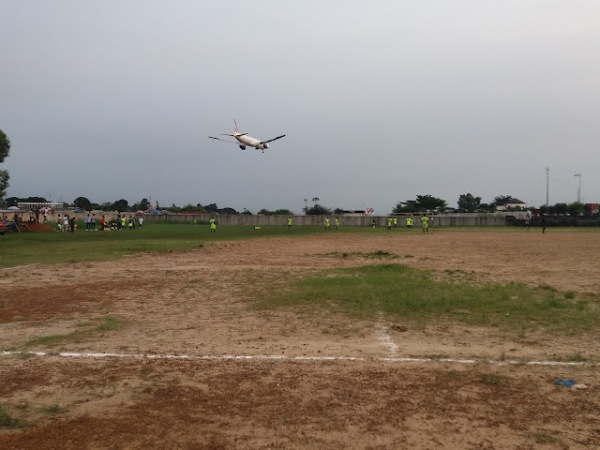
[{"x": 514, "y": 204}]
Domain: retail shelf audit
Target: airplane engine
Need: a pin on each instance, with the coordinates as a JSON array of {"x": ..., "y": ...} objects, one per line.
[{"x": 265, "y": 146}]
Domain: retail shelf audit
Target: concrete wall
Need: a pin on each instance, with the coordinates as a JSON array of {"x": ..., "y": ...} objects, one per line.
[{"x": 495, "y": 219}]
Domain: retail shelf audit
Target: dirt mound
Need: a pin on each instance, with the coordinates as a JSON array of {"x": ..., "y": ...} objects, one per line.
[{"x": 34, "y": 226}]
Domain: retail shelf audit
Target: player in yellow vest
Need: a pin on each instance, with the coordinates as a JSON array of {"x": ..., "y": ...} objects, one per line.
[
  {"x": 213, "y": 225},
  {"x": 425, "y": 223}
]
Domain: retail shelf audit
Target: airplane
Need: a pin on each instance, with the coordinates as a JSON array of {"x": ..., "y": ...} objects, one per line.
[{"x": 243, "y": 140}]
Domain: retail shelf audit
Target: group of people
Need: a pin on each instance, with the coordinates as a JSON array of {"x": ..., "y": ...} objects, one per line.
[
  {"x": 68, "y": 223},
  {"x": 393, "y": 222},
  {"x": 121, "y": 222},
  {"x": 328, "y": 223}
]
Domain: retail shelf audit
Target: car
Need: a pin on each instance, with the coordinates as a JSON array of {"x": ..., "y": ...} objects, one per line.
[{"x": 3, "y": 226}]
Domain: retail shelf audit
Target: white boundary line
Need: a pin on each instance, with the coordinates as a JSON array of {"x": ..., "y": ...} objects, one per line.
[
  {"x": 160, "y": 357},
  {"x": 384, "y": 337}
]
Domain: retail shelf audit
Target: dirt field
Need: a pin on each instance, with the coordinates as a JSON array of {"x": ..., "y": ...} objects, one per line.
[{"x": 194, "y": 366}]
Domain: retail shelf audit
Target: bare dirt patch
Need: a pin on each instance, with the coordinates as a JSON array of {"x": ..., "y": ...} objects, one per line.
[{"x": 197, "y": 303}]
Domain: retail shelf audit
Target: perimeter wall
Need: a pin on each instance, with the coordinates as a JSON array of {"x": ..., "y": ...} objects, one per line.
[{"x": 496, "y": 219}]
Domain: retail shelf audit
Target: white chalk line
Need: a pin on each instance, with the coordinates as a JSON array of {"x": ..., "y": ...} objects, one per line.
[
  {"x": 161, "y": 357},
  {"x": 384, "y": 337}
]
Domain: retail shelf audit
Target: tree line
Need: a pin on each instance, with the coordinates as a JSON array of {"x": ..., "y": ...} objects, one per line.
[{"x": 422, "y": 203}]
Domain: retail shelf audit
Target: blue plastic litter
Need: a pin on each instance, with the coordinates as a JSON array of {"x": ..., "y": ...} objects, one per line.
[{"x": 568, "y": 382}]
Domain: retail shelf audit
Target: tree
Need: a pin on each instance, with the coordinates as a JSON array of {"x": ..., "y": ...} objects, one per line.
[
  {"x": 576, "y": 208},
  {"x": 83, "y": 203},
  {"x": 502, "y": 199},
  {"x": 4, "y": 151},
  {"x": 12, "y": 201},
  {"x": 317, "y": 210},
  {"x": 120, "y": 205},
  {"x": 228, "y": 210},
  {"x": 429, "y": 203},
  {"x": 469, "y": 203},
  {"x": 143, "y": 205},
  {"x": 422, "y": 203},
  {"x": 558, "y": 208},
  {"x": 407, "y": 206},
  {"x": 212, "y": 208},
  {"x": 283, "y": 212}
]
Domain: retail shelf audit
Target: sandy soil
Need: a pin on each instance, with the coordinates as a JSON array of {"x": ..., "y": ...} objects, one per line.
[{"x": 281, "y": 390}]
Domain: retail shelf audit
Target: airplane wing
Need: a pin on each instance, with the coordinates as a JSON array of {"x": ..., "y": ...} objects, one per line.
[
  {"x": 222, "y": 140},
  {"x": 274, "y": 139}
]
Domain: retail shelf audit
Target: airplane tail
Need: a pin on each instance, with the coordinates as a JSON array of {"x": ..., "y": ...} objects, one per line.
[{"x": 235, "y": 127}]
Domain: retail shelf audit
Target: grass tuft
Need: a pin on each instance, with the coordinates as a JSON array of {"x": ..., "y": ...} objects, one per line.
[
  {"x": 492, "y": 379},
  {"x": 6, "y": 420}
]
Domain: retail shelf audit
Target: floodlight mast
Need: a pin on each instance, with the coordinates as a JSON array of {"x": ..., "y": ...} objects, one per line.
[
  {"x": 547, "y": 188},
  {"x": 578, "y": 175}
]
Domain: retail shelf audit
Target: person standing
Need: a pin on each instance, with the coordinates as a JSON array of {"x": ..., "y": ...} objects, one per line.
[
  {"x": 395, "y": 222},
  {"x": 425, "y": 223},
  {"x": 327, "y": 224},
  {"x": 337, "y": 223},
  {"x": 289, "y": 222},
  {"x": 72, "y": 224},
  {"x": 213, "y": 225},
  {"x": 543, "y": 223},
  {"x": 527, "y": 221},
  {"x": 409, "y": 222},
  {"x": 389, "y": 223},
  {"x": 88, "y": 222}
]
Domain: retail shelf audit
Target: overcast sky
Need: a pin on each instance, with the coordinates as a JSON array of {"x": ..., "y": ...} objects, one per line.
[{"x": 381, "y": 100}]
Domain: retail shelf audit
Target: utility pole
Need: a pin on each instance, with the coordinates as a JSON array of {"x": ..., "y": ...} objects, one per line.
[
  {"x": 547, "y": 188},
  {"x": 578, "y": 175}
]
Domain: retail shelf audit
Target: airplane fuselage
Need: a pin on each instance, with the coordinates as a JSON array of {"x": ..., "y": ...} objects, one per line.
[{"x": 245, "y": 140}]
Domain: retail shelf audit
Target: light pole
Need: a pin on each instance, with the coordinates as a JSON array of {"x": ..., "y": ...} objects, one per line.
[
  {"x": 578, "y": 175},
  {"x": 547, "y": 188}
]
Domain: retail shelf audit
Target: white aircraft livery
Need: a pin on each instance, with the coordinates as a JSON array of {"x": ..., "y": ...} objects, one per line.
[{"x": 243, "y": 140}]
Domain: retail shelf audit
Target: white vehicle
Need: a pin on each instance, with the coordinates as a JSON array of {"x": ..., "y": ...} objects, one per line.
[{"x": 243, "y": 140}]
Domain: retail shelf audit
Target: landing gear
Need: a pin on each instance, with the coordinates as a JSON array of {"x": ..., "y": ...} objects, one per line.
[{"x": 243, "y": 147}]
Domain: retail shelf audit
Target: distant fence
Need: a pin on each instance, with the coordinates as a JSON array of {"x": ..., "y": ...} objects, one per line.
[
  {"x": 443, "y": 220},
  {"x": 497, "y": 219}
]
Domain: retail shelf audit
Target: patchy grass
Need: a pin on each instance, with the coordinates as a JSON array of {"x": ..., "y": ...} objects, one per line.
[
  {"x": 86, "y": 330},
  {"x": 53, "y": 410},
  {"x": 379, "y": 254},
  {"x": 408, "y": 294},
  {"x": 6, "y": 420},
  {"x": 81, "y": 247}
]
